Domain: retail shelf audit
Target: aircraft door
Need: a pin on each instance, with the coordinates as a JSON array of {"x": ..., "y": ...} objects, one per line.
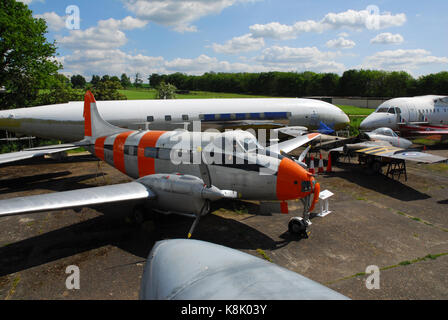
[
  {"x": 315, "y": 119},
  {"x": 413, "y": 114}
]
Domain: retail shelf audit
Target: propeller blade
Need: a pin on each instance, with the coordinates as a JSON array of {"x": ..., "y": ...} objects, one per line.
[{"x": 303, "y": 155}]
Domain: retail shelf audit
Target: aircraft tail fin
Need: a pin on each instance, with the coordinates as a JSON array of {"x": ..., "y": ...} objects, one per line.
[{"x": 94, "y": 125}]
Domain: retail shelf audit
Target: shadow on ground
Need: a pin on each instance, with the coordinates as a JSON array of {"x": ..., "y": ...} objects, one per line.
[{"x": 378, "y": 183}]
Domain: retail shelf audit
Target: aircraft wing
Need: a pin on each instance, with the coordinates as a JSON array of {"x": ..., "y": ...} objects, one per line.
[
  {"x": 399, "y": 153},
  {"x": 292, "y": 144},
  {"x": 75, "y": 198},
  {"x": 35, "y": 152},
  {"x": 294, "y": 131}
]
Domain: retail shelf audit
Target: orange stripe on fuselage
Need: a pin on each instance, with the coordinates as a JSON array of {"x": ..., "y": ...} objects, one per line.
[
  {"x": 146, "y": 165},
  {"x": 99, "y": 147},
  {"x": 119, "y": 150}
]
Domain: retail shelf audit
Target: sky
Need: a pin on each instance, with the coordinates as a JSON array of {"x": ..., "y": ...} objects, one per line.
[{"x": 193, "y": 37}]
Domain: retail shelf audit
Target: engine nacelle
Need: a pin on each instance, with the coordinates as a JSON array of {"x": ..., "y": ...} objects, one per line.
[{"x": 177, "y": 193}]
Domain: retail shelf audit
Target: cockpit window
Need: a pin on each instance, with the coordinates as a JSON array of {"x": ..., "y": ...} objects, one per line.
[
  {"x": 391, "y": 110},
  {"x": 385, "y": 132}
]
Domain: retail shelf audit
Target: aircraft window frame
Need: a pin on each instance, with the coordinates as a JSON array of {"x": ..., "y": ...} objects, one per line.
[
  {"x": 168, "y": 118},
  {"x": 185, "y": 117},
  {"x": 164, "y": 154},
  {"x": 151, "y": 152},
  {"x": 382, "y": 110},
  {"x": 391, "y": 110},
  {"x": 150, "y": 119}
]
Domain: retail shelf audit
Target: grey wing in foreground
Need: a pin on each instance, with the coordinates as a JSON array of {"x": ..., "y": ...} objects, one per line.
[
  {"x": 75, "y": 198},
  {"x": 212, "y": 272},
  {"x": 34, "y": 153}
]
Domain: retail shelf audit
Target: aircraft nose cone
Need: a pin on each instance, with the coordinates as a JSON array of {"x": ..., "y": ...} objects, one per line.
[
  {"x": 290, "y": 178},
  {"x": 365, "y": 125}
]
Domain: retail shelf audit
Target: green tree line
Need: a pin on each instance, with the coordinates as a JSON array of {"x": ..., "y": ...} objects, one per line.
[{"x": 365, "y": 83}]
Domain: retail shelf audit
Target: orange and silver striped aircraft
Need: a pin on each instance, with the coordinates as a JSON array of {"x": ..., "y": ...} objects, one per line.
[{"x": 179, "y": 172}]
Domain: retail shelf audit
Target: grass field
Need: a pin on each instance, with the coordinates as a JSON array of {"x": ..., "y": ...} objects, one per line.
[{"x": 356, "y": 111}]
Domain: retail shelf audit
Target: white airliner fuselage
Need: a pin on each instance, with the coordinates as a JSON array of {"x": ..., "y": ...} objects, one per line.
[
  {"x": 431, "y": 109},
  {"x": 65, "y": 121}
]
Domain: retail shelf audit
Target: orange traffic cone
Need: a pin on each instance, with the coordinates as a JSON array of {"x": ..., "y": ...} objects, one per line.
[
  {"x": 312, "y": 165},
  {"x": 329, "y": 163},
  {"x": 321, "y": 165}
]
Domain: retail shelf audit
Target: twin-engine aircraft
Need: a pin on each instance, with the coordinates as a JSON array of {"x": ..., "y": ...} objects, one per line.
[{"x": 179, "y": 172}]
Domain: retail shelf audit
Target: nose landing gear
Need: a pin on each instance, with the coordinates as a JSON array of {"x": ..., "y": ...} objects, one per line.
[{"x": 299, "y": 226}]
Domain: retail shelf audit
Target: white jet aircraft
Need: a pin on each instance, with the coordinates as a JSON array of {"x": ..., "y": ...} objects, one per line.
[{"x": 425, "y": 115}]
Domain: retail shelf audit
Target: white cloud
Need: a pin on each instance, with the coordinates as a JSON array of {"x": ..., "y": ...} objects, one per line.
[
  {"x": 300, "y": 59},
  {"x": 178, "y": 14},
  {"x": 106, "y": 35},
  {"x": 341, "y": 43},
  {"x": 93, "y": 38},
  {"x": 407, "y": 60},
  {"x": 388, "y": 38},
  {"x": 54, "y": 21},
  {"x": 116, "y": 62},
  {"x": 237, "y": 45},
  {"x": 127, "y": 23},
  {"x": 351, "y": 19},
  {"x": 29, "y": 1}
]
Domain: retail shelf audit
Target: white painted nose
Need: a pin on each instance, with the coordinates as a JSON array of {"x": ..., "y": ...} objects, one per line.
[{"x": 378, "y": 120}]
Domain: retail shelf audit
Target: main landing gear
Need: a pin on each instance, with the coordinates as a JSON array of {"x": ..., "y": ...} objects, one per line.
[{"x": 299, "y": 225}]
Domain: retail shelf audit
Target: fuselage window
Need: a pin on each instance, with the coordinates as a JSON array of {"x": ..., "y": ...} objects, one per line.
[
  {"x": 167, "y": 118},
  {"x": 149, "y": 118},
  {"x": 185, "y": 117},
  {"x": 164, "y": 154},
  {"x": 151, "y": 152}
]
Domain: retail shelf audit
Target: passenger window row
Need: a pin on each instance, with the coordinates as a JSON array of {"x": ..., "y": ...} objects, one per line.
[{"x": 168, "y": 118}]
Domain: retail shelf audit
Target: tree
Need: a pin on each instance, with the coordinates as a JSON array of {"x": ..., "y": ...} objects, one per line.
[
  {"x": 26, "y": 58},
  {"x": 95, "y": 80},
  {"x": 60, "y": 91},
  {"x": 166, "y": 91},
  {"x": 125, "y": 81},
  {"x": 154, "y": 80},
  {"x": 138, "y": 82},
  {"x": 78, "y": 81},
  {"x": 108, "y": 90}
]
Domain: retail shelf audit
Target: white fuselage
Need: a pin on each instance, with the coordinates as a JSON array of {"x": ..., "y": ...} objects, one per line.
[
  {"x": 432, "y": 110},
  {"x": 65, "y": 121}
]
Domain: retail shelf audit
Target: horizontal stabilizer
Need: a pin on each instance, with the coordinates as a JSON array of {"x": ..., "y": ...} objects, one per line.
[
  {"x": 34, "y": 153},
  {"x": 75, "y": 198}
]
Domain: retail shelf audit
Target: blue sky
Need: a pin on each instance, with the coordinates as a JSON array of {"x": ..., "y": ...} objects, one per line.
[{"x": 194, "y": 37}]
